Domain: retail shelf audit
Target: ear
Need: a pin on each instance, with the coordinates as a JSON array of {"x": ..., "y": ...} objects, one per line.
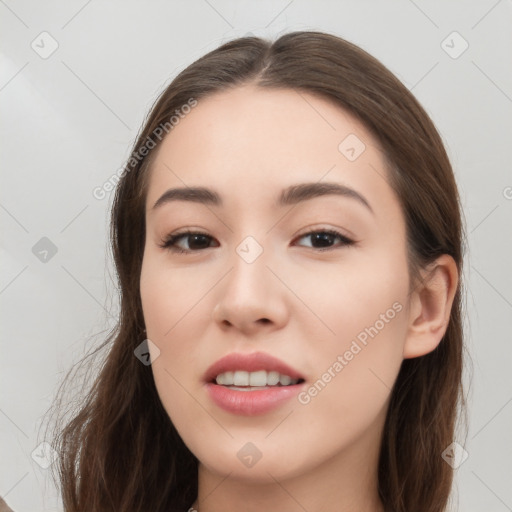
[{"x": 430, "y": 307}]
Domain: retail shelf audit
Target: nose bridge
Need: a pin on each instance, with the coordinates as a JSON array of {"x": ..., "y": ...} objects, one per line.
[
  {"x": 248, "y": 282},
  {"x": 251, "y": 292}
]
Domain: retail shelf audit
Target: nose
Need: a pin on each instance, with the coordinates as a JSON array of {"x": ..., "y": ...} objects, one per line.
[{"x": 251, "y": 298}]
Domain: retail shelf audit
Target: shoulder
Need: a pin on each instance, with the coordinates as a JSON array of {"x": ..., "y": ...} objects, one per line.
[{"x": 4, "y": 507}]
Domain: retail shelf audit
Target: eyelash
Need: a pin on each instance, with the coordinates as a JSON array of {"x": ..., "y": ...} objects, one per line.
[{"x": 169, "y": 241}]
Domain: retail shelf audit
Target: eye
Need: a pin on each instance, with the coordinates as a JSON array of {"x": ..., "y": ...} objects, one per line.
[
  {"x": 323, "y": 239},
  {"x": 195, "y": 241}
]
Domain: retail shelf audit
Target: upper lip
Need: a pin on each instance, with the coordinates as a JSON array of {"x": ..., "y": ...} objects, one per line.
[{"x": 250, "y": 363}]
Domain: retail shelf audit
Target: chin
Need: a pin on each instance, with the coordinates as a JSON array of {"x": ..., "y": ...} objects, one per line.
[{"x": 257, "y": 462}]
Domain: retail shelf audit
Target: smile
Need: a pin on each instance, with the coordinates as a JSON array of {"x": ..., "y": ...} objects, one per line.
[
  {"x": 243, "y": 380},
  {"x": 251, "y": 384}
]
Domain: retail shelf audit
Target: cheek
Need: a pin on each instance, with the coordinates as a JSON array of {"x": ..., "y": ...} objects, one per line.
[
  {"x": 169, "y": 294},
  {"x": 176, "y": 314},
  {"x": 359, "y": 341},
  {"x": 363, "y": 296},
  {"x": 355, "y": 370}
]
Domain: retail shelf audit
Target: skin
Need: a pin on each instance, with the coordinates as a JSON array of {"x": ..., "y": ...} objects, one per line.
[{"x": 248, "y": 144}]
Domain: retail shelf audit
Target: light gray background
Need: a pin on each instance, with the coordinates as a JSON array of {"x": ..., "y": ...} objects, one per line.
[{"x": 68, "y": 122}]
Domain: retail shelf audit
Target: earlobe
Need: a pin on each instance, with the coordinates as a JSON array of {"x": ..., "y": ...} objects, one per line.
[{"x": 430, "y": 307}]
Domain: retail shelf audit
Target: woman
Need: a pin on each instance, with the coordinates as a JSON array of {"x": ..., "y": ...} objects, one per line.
[{"x": 288, "y": 241}]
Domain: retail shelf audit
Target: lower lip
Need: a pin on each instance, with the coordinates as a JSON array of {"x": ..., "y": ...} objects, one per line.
[{"x": 251, "y": 403}]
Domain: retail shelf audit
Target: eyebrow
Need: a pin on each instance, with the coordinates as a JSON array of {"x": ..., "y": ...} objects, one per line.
[{"x": 291, "y": 195}]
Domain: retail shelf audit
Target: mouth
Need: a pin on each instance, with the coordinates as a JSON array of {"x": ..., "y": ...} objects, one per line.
[
  {"x": 241, "y": 380},
  {"x": 250, "y": 384},
  {"x": 256, "y": 369}
]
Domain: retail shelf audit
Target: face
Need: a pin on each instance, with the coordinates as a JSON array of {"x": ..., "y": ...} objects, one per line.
[{"x": 317, "y": 281}]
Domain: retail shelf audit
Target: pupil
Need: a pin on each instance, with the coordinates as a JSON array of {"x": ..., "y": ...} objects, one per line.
[
  {"x": 324, "y": 238},
  {"x": 195, "y": 238}
]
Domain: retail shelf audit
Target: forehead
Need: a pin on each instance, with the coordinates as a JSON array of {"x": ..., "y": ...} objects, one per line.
[{"x": 249, "y": 143}]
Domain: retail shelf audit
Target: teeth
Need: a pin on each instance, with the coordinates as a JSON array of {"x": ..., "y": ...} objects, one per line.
[
  {"x": 241, "y": 379},
  {"x": 257, "y": 378},
  {"x": 284, "y": 380},
  {"x": 260, "y": 378},
  {"x": 272, "y": 378},
  {"x": 225, "y": 378}
]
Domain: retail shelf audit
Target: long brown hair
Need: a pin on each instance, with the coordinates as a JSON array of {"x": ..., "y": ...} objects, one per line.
[{"x": 119, "y": 451}]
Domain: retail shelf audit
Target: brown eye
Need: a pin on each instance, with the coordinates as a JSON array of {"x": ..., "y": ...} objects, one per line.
[
  {"x": 323, "y": 239},
  {"x": 189, "y": 241}
]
